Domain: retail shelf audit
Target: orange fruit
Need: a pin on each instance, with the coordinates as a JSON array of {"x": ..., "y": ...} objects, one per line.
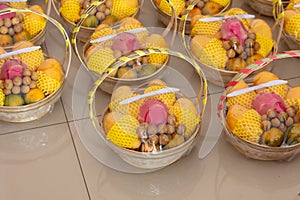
[
  {"x": 34, "y": 95},
  {"x": 259, "y": 26}
]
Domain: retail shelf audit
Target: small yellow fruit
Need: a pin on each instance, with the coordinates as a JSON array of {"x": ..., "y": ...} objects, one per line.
[{"x": 34, "y": 95}]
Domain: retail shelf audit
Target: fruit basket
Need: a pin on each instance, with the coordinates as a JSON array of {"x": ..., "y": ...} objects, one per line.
[
  {"x": 153, "y": 124},
  {"x": 100, "y": 12},
  {"x": 263, "y": 7},
  {"x": 200, "y": 7},
  {"x": 20, "y": 26},
  {"x": 291, "y": 24},
  {"x": 261, "y": 118},
  {"x": 226, "y": 43},
  {"x": 107, "y": 43},
  {"x": 31, "y": 76}
]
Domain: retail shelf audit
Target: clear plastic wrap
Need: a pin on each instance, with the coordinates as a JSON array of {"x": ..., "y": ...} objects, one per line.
[
  {"x": 107, "y": 43},
  {"x": 261, "y": 117},
  {"x": 226, "y": 43},
  {"x": 19, "y": 26},
  {"x": 32, "y": 75},
  {"x": 99, "y": 12},
  {"x": 289, "y": 19},
  {"x": 151, "y": 124}
]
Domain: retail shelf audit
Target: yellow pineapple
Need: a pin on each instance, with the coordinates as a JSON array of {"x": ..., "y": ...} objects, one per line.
[
  {"x": 124, "y": 8},
  {"x": 186, "y": 117},
  {"x": 123, "y": 132},
  {"x": 70, "y": 9},
  {"x": 47, "y": 84}
]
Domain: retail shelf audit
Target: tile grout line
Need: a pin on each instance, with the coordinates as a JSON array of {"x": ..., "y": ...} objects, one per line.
[{"x": 76, "y": 152}]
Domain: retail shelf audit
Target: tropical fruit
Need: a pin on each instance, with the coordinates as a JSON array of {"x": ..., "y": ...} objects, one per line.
[
  {"x": 245, "y": 99},
  {"x": 70, "y": 9},
  {"x": 123, "y": 132},
  {"x": 179, "y": 5},
  {"x": 124, "y": 8},
  {"x": 32, "y": 59},
  {"x": 34, "y": 23},
  {"x": 247, "y": 125}
]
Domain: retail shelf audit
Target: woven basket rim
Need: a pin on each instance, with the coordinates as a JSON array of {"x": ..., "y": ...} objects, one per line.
[
  {"x": 73, "y": 24},
  {"x": 191, "y": 140},
  {"x": 154, "y": 3},
  {"x": 222, "y": 109},
  {"x": 140, "y": 154},
  {"x": 67, "y": 62},
  {"x": 187, "y": 43}
]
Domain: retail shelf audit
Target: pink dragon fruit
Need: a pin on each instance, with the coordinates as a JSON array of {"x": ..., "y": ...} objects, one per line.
[
  {"x": 8, "y": 15},
  {"x": 11, "y": 69},
  {"x": 233, "y": 27},
  {"x": 126, "y": 42},
  {"x": 268, "y": 100},
  {"x": 153, "y": 112}
]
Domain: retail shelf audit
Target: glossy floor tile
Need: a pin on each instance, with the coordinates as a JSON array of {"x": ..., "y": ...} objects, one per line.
[
  {"x": 61, "y": 156},
  {"x": 40, "y": 164}
]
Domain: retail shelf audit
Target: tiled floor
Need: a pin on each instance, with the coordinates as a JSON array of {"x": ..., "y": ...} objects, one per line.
[{"x": 59, "y": 157}]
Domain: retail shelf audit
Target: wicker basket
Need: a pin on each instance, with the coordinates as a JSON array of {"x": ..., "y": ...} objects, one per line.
[
  {"x": 39, "y": 37},
  {"x": 161, "y": 158},
  {"x": 166, "y": 18},
  {"x": 252, "y": 149},
  {"x": 62, "y": 53},
  {"x": 263, "y": 7},
  {"x": 220, "y": 77},
  {"x": 85, "y": 32},
  {"x": 110, "y": 82},
  {"x": 292, "y": 41}
]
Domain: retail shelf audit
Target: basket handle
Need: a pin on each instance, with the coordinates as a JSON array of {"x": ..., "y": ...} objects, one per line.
[
  {"x": 134, "y": 55},
  {"x": 68, "y": 49},
  {"x": 94, "y": 5},
  {"x": 278, "y": 14},
  {"x": 76, "y": 29},
  {"x": 250, "y": 69}
]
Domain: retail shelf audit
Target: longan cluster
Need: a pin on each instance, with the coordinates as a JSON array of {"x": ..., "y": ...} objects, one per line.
[
  {"x": 281, "y": 120},
  {"x": 156, "y": 138},
  {"x": 239, "y": 56},
  {"x": 20, "y": 85},
  {"x": 11, "y": 26}
]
